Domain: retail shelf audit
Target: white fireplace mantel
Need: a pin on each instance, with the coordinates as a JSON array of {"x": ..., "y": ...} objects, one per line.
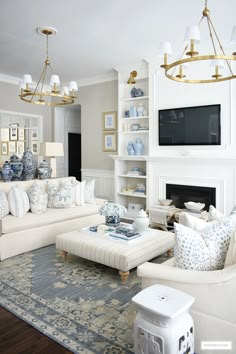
[{"x": 219, "y": 173}]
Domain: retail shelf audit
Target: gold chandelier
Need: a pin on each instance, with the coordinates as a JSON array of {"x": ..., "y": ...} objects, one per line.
[
  {"x": 220, "y": 63},
  {"x": 42, "y": 94}
]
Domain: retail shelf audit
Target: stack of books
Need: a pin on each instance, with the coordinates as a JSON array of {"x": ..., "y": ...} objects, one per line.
[{"x": 124, "y": 233}]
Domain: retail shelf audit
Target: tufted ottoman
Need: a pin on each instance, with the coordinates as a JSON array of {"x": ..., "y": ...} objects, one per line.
[{"x": 118, "y": 254}]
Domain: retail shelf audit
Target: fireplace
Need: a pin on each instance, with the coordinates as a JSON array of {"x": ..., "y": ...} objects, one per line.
[{"x": 180, "y": 194}]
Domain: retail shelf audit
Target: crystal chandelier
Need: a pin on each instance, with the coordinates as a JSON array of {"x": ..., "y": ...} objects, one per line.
[
  {"x": 42, "y": 94},
  {"x": 218, "y": 61}
]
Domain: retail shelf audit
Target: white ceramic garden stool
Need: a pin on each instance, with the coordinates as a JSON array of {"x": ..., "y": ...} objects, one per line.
[{"x": 163, "y": 324}]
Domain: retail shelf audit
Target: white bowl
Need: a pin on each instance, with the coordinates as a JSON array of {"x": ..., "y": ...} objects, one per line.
[
  {"x": 194, "y": 206},
  {"x": 165, "y": 202}
]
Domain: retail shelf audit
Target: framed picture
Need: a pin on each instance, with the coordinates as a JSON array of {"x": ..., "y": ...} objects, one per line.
[
  {"x": 35, "y": 148},
  {"x": 109, "y": 121},
  {"x": 12, "y": 146},
  {"x": 4, "y": 148},
  {"x": 109, "y": 141},
  {"x": 4, "y": 134},
  {"x": 13, "y": 133},
  {"x": 20, "y": 146},
  {"x": 34, "y": 134},
  {"x": 21, "y": 134}
]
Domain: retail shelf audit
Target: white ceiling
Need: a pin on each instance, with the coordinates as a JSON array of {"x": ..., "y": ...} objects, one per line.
[{"x": 94, "y": 36}]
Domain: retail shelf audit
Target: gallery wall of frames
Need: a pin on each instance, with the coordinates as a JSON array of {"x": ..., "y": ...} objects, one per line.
[{"x": 17, "y": 132}]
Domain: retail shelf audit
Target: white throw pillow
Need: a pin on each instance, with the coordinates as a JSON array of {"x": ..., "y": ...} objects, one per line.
[
  {"x": 214, "y": 214},
  {"x": 18, "y": 201},
  {"x": 60, "y": 196},
  {"x": 4, "y": 207},
  {"x": 89, "y": 196},
  {"x": 202, "y": 250},
  {"x": 79, "y": 192},
  {"x": 38, "y": 199},
  {"x": 192, "y": 222}
]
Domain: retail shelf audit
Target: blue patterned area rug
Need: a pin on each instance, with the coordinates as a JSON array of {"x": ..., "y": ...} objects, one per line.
[{"x": 80, "y": 304}]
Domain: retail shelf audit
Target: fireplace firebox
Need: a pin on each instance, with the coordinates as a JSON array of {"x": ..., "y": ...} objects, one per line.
[{"x": 181, "y": 193}]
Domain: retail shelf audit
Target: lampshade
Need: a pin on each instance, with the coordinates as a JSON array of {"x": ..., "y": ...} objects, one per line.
[
  {"x": 218, "y": 62},
  {"x": 54, "y": 80},
  {"x": 165, "y": 48},
  {"x": 73, "y": 86},
  {"x": 51, "y": 149},
  {"x": 233, "y": 36},
  {"x": 192, "y": 33},
  {"x": 27, "y": 79}
]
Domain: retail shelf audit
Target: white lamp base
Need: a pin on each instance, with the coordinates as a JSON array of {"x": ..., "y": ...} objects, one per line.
[{"x": 53, "y": 164}]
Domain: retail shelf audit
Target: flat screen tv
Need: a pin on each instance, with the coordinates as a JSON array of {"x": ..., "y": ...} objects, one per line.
[{"x": 190, "y": 126}]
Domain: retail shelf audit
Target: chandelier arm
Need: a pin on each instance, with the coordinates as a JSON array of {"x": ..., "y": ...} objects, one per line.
[
  {"x": 209, "y": 23},
  {"x": 221, "y": 47}
]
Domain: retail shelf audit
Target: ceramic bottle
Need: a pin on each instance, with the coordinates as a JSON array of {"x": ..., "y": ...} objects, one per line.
[
  {"x": 7, "y": 172},
  {"x": 141, "y": 222},
  {"x": 29, "y": 165},
  {"x": 138, "y": 147}
]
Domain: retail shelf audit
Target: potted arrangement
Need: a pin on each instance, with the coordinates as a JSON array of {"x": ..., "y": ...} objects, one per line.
[{"x": 112, "y": 213}]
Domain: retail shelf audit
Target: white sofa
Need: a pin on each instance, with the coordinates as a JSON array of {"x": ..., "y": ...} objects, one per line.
[
  {"x": 32, "y": 231},
  {"x": 214, "y": 310}
]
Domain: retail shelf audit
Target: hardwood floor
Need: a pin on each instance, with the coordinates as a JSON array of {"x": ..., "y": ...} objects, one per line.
[{"x": 17, "y": 337}]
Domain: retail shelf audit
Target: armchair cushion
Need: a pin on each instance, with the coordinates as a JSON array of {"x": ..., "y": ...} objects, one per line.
[{"x": 203, "y": 250}]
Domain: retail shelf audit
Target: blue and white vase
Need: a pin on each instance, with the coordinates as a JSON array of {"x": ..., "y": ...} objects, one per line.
[
  {"x": 17, "y": 167},
  {"x": 44, "y": 170},
  {"x": 29, "y": 165},
  {"x": 138, "y": 147},
  {"x": 130, "y": 148},
  {"x": 7, "y": 172}
]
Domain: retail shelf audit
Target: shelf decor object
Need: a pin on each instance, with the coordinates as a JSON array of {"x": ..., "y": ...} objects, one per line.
[
  {"x": 112, "y": 213},
  {"x": 40, "y": 94},
  {"x": 220, "y": 68},
  {"x": 52, "y": 150},
  {"x": 131, "y": 79},
  {"x": 109, "y": 121}
]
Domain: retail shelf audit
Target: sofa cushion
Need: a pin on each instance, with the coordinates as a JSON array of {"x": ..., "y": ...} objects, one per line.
[
  {"x": 78, "y": 193},
  {"x": 38, "y": 199},
  {"x": 202, "y": 250},
  {"x": 18, "y": 201},
  {"x": 193, "y": 222},
  {"x": 51, "y": 216},
  {"x": 60, "y": 196},
  {"x": 4, "y": 207},
  {"x": 89, "y": 196},
  {"x": 214, "y": 214}
]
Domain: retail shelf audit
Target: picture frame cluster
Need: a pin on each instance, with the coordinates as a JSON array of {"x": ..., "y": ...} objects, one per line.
[{"x": 109, "y": 124}]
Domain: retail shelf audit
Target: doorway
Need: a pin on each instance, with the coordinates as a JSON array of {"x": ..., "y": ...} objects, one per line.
[{"x": 74, "y": 155}]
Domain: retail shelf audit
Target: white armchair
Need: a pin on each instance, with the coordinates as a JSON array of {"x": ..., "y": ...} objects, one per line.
[{"x": 214, "y": 309}]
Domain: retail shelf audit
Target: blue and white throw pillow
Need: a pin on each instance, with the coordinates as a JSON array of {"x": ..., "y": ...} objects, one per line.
[
  {"x": 60, "y": 196},
  {"x": 89, "y": 190},
  {"x": 4, "y": 207},
  {"x": 38, "y": 199},
  {"x": 202, "y": 250},
  {"x": 18, "y": 201}
]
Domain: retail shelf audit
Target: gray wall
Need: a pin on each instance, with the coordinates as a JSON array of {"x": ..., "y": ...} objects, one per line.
[
  {"x": 95, "y": 100},
  {"x": 10, "y": 101}
]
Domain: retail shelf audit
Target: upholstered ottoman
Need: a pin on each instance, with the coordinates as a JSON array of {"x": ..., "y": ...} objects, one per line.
[{"x": 118, "y": 254}]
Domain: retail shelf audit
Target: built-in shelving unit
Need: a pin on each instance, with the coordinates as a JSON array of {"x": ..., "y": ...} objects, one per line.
[{"x": 130, "y": 127}]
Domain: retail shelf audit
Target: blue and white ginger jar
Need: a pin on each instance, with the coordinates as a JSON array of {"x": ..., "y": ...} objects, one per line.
[
  {"x": 29, "y": 165},
  {"x": 17, "y": 167},
  {"x": 44, "y": 170},
  {"x": 7, "y": 172}
]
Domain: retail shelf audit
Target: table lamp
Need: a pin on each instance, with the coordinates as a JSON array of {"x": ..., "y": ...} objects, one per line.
[{"x": 51, "y": 150}]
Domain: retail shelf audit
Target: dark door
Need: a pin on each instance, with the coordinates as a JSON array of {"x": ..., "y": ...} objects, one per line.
[{"x": 74, "y": 155}]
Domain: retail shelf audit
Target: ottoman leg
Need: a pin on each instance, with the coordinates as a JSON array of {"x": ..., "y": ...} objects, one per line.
[
  {"x": 170, "y": 252},
  {"x": 124, "y": 276},
  {"x": 63, "y": 254}
]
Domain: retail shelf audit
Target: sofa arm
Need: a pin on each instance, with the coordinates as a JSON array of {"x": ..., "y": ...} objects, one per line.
[
  {"x": 0, "y": 227},
  {"x": 168, "y": 273}
]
